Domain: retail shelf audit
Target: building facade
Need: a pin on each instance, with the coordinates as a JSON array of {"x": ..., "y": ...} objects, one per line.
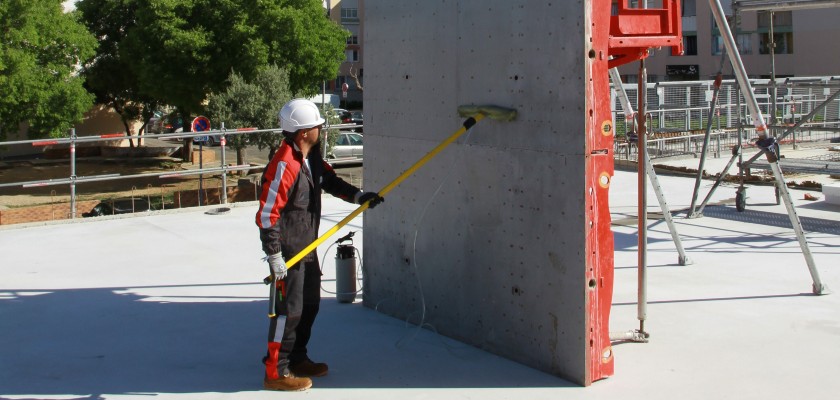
[
  {"x": 350, "y": 15},
  {"x": 806, "y": 44}
]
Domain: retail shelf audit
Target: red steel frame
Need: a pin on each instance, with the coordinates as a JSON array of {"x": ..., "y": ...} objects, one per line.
[
  {"x": 613, "y": 40},
  {"x": 634, "y": 30}
]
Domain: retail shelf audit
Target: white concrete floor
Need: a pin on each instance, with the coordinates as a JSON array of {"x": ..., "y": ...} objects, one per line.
[{"x": 170, "y": 305}]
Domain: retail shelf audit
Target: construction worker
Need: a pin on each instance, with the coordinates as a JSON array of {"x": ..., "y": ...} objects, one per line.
[{"x": 288, "y": 219}]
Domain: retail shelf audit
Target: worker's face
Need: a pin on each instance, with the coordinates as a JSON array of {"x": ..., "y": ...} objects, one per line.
[{"x": 313, "y": 135}]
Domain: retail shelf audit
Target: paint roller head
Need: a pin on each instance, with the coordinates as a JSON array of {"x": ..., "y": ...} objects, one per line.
[{"x": 490, "y": 111}]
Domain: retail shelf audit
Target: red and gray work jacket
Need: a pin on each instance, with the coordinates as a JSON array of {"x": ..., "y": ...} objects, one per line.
[{"x": 290, "y": 200}]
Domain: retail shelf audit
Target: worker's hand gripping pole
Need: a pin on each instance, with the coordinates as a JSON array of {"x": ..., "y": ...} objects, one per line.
[{"x": 475, "y": 113}]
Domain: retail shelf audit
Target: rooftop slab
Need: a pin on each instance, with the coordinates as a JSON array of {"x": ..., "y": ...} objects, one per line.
[{"x": 171, "y": 305}]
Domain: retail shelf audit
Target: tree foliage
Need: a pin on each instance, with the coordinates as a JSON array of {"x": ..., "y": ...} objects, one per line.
[
  {"x": 254, "y": 104},
  {"x": 110, "y": 76},
  {"x": 182, "y": 50},
  {"x": 40, "y": 49},
  {"x": 177, "y": 52}
]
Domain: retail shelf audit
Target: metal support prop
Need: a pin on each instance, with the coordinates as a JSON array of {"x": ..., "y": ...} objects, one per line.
[
  {"x": 698, "y": 212},
  {"x": 200, "y": 167},
  {"x": 692, "y": 212},
  {"x": 223, "y": 143},
  {"x": 632, "y": 33},
  {"x": 817, "y": 286},
  {"x": 773, "y": 89},
  {"x": 72, "y": 173},
  {"x": 651, "y": 173},
  {"x": 741, "y": 192},
  {"x": 615, "y": 77},
  {"x": 666, "y": 211},
  {"x": 642, "y": 204},
  {"x": 761, "y": 129},
  {"x": 738, "y": 68},
  {"x": 736, "y": 153}
]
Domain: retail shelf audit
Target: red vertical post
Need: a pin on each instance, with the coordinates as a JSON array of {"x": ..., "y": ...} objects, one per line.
[
  {"x": 599, "y": 172},
  {"x": 614, "y": 40}
]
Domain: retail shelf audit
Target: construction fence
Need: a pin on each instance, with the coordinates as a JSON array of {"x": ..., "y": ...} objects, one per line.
[
  {"x": 678, "y": 115},
  {"x": 89, "y": 176}
]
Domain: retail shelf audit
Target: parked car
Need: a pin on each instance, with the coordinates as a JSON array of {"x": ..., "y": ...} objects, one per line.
[
  {"x": 119, "y": 206},
  {"x": 155, "y": 124},
  {"x": 211, "y": 140},
  {"x": 353, "y": 117},
  {"x": 173, "y": 123},
  {"x": 337, "y": 115},
  {"x": 348, "y": 148}
]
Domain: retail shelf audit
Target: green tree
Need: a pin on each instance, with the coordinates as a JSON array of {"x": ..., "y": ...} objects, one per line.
[
  {"x": 40, "y": 49},
  {"x": 304, "y": 41},
  {"x": 251, "y": 104},
  {"x": 180, "y": 51},
  {"x": 110, "y": 76}
]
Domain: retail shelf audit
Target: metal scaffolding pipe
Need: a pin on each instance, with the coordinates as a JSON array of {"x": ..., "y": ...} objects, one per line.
[
  {"x": 98, "y": 178},
  {"x": 761, "y": 129},
  {"x": 738, "y": 67},
  {"x": 642, "y": 191}
]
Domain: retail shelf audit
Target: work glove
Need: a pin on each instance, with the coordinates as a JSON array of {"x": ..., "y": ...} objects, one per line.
[
  {"x": 374, "y": 198},
  {"x": 277, "y": 265}
]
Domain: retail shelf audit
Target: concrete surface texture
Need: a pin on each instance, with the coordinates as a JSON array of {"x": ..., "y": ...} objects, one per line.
[
  {"x": 499, "y": 250},
  {"x": 169, "y": 305}
]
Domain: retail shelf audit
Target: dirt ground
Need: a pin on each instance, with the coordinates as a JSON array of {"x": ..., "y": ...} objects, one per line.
[{"x": 40, "y": 170}]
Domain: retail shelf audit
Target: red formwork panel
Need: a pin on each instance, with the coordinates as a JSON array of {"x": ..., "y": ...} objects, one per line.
[
  {"x": 634, "y": 30},
  {"x": 614, "y": 40},
  {"x": 599, "y": 172}
]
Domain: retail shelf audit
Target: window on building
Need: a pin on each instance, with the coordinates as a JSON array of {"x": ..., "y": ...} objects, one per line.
[
  {"x": 689, "y": 45},
  {"x": 689, "y": 8},
  {"x": 744, "y": 43},
  {"x": 349, "y": 15},
  {"x": 353, "y": 39},
  {"x": 351, "y": 55},
  {"x": 782, "y": 26},
  {"x": 781, "y": 19},
  {"x": 783, "y": 42},
  {"x": 717, "y": 45}
]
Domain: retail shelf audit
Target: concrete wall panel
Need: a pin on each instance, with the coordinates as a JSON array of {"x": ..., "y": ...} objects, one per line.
[{"x": 486, "y": 243}]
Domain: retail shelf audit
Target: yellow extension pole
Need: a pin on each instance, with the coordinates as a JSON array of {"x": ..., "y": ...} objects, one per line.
[{"x": 294, "y": 260}]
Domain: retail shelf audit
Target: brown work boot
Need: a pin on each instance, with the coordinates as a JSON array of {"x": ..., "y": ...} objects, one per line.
[
  {"x": 309, "y": 368},
  {"x": 287, "y": 383}
]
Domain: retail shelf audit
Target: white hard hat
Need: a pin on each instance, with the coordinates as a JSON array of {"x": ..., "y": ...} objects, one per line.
[{"x": 299, "y": 114}]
